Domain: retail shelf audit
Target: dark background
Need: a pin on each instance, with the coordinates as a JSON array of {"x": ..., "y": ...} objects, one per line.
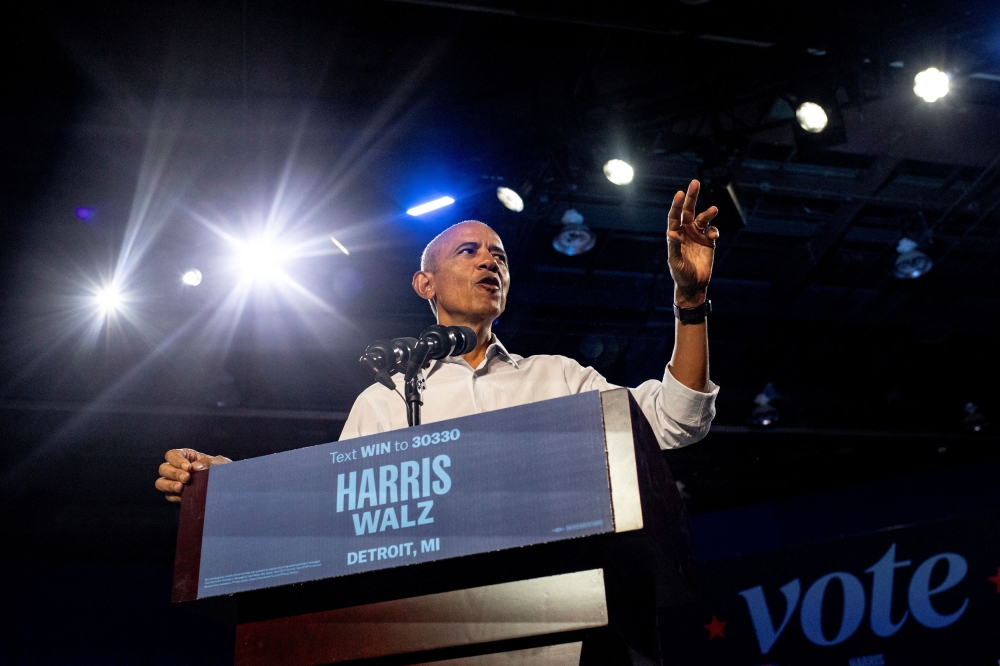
[{"x": 181, "y": 124}]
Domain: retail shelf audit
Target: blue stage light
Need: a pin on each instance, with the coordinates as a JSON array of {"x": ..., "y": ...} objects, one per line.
[
  {"x": 430, "y": 205},
  {"x": 85, "y": 213},
  {"x": 911, "y": 262}
]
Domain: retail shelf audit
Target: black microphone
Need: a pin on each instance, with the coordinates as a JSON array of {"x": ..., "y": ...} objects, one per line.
[
  {"x": 385, "y": 359},
  {"x": 447, "y": 341},
  {"x": 438, "y": 342}
]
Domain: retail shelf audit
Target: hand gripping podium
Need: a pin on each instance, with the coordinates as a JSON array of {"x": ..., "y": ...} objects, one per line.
[{"x": 541, "y": 534}]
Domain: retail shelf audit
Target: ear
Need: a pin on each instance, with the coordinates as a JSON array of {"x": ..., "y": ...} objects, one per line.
[{"x": 423, "y": 284}]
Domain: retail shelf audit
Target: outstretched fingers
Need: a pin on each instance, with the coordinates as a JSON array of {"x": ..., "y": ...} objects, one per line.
[
  {"x": 690, "y": 202},
  {"x": 674, "y": 216}
]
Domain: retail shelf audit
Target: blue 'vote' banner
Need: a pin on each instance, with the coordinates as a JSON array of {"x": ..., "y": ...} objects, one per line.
[{"x": 503, "y": 479}]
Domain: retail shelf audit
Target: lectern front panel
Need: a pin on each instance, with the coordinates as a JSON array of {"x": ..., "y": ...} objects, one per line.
[{"x": 502, "y": 479}]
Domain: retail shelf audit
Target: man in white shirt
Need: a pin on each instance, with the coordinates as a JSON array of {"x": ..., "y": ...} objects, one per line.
[{"x": 464, "y": 276}]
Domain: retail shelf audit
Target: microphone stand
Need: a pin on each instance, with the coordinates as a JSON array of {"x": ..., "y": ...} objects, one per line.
[
  {"x": 412, "y": 381},
  {"x": 386, "y": 358},
  {"x": 413, "y": 402}
]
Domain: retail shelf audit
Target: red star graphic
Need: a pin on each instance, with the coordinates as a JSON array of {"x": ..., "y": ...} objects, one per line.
[
  {"x": 996, "y": 580},
  {"x": 716, "y": 628}
]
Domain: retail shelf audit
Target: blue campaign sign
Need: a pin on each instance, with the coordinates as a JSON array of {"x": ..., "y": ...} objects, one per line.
[{"x": 513, "y": 477}]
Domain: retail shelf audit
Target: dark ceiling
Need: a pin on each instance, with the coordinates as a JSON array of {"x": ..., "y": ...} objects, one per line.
[{"x": 178, "y": 123}]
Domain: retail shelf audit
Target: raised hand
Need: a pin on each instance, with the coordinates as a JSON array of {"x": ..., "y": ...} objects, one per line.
[
  {"x": 176, "y": 472},
  {"x": 690, "y": 247}
]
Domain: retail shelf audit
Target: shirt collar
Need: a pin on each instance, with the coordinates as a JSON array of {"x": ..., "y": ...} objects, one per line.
[{"x": 495, "y": 348}]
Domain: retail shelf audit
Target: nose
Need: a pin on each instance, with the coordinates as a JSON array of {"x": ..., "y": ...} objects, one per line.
[{"x": 490, "y": 263}]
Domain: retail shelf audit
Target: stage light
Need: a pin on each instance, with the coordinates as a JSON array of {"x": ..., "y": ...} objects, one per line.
[
  {"x": 975, "y": 421},
  {"x": 85, "y": 213},
  {"x": 765, "y": 414},
  {"x": 931, "y": 84},
  {"x": 911, "y": 262},
  {"x": 430, "y": 205},
  {"x": 191, "y": 277},
  {"x": 619, "y": 172},
  {"x": 575, "y": 238},
  {"x": 108, "y": 299},
  {"x": 811, "y": 117},
  {"x": 340, "y": 246},
  {"x": 510, "y": 199},
  {"x": 260, "y": 259}
]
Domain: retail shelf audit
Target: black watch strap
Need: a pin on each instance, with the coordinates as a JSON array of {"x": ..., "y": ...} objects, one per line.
[{"x": 694, "y": 315}]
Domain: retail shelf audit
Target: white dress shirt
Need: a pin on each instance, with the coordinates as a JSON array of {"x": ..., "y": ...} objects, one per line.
[{"x": 679, "y": 416}]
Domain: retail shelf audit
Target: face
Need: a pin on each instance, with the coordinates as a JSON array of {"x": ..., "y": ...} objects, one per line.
[{"x": 471, "y": 279}]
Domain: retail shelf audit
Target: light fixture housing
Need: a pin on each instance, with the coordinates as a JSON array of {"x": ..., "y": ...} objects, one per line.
[
  {"x": 619, "y": 172},
  {"x": 911, "y": 265},
  {"x": 765, "y": 414},
  {"x": 575, "y": 237},
  {"x": 911, "y": 262},
  {"x": 931, "y": 84},
  {"x": 812, "y": 117},
  {"x": 974, "y": 422},
  {"x": 510, "y": 199}
]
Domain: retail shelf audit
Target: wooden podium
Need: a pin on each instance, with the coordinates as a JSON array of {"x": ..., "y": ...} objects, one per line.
[{"x": 547, "y": 534}]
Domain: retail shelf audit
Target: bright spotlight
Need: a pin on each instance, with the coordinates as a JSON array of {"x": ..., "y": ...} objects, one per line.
[
  {"x": 811, "y": 117},
  {"x": 191, "y": 277},
  {"x": 931, "y": 84},
  {"x": 619, "y": 172},
  {"x": 510, "y": 199},
  {"x": 260, "y": 259},
  {"x": 108, "y": 299},
  {"x": 430, "y": 205}
]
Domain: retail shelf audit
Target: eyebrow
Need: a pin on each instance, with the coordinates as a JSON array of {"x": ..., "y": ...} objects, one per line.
[{"x": 476, "y": 244}]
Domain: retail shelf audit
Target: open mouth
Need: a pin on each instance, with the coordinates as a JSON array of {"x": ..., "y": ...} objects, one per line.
[{"x": 490, "y": 282}]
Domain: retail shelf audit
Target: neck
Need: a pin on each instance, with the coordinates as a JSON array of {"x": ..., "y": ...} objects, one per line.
[{"x": 484, "y": 332}]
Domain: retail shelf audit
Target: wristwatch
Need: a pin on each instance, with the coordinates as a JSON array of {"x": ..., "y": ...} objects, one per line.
[{"x": 694, "y": 315}]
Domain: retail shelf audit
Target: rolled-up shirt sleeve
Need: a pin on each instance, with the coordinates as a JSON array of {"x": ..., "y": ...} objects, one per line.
[{"x": 678, "y": 415}]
